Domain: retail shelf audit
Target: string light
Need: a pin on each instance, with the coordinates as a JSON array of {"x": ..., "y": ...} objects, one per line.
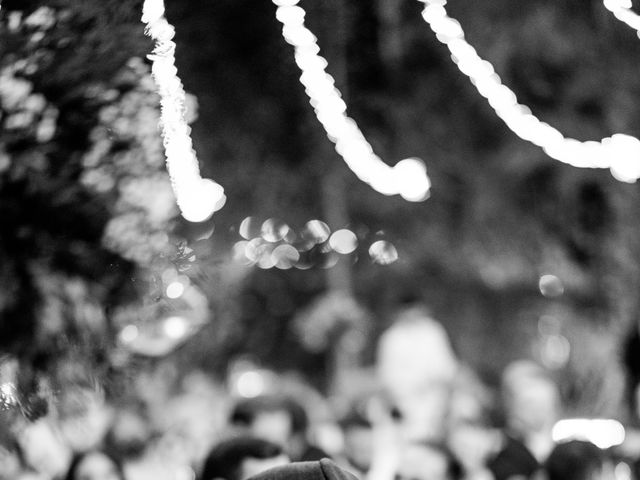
[
  {"x": 620, "y": 153},
  {"x": 622, "y": 11},
  {"x": 198, "y": 198},
  {"x": 408, "y": 178}
]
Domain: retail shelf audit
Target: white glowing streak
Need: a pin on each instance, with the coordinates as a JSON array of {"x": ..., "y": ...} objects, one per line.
[
  {"x": 622, "y": 11},
  {"x": 331, "y": 111},
  {"x": 604, "y": 433},
  {"x": 620, "y": 153},
  {"x": 197, "y": 198}
]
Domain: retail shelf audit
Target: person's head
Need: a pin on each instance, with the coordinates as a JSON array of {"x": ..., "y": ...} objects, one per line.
[
  {"x": 358, "y": 439},
  {"x": 419, "y": 461},
  {"x": 95, "y": 465},
  {"x": 273, "y": 418},
  {"x": 242, "y": 457},
  {"x": 531, "y": 398},
  {"x": 576, "y": 460}
]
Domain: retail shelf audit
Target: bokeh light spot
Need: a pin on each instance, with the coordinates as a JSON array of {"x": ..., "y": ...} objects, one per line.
[
  {"x": 343, "y": 241},
  {"x": 383, "y": 252},
  {"x": 550, "y": 286},
  {"x": 317, "y": 231},
  {"x": 175, "y": 327},
  {"x": 285, "y": 256},
  {"x": 174, "y": 289},
  {"x": 274, "y": 230}
]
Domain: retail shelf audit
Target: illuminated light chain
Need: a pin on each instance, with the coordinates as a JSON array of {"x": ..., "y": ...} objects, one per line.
[
  {"x": 622, "y": 11},
  {"x": 408, "y": 178},
  {"x": 198, "y": 198},
  {"x": 620, "y": 153}
]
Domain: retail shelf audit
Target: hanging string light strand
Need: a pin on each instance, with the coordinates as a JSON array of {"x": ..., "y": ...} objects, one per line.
[
  {"x": 408, "y": 177},
  {"x": 198, "y": 198},
  {"x": 620, "y": 153},
  {"x": 623, "y": 12}
]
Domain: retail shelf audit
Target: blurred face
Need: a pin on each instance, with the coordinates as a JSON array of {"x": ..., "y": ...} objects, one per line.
[
  {"x": 419, "y": 462},
  {"x": 253, "y": 466},
  {"x": 96, "y": 466},
  {"x": 272, "y": 426},
  {"x": 358, "y": 445},
  {"x": 532, "y": 406}
]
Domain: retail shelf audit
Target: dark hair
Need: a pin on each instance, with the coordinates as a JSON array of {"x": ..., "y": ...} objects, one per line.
[
  {"x": 225, "y": 459},
  {"x": 246, "y": 410},
  {"x": 574, "y": 460},
  {"x": 79, "y": 457}
]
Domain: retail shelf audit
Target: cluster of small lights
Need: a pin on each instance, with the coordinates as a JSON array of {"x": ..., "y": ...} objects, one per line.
[
  {"x": 273, "y": 244},
  {"x": 622, "y": 11},
  {"x": 620, "y": 153},
  {"x": 408, "y": 177},
  {"x": 198, "y": 198}
]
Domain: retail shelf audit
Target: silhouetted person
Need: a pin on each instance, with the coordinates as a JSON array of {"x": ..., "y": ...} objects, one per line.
[
  {"x": 576, "y": 460},
  {"x": 277, "y": 419}
]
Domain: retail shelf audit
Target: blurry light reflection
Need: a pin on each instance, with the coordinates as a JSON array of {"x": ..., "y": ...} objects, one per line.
[
  {"x": 250, "y": 384},
  {"x": 285, "y": 256},
  {"x": 343, "y": 241},
  {"x": 175, "y": 327},
  {"x": 129, "y": 334},
  {"x": 550, "y": 286},
  {"x": 249, "y": 228},
  {"x": 274, "y": 230},
  {"x": 174, "y": 290},
  {"x": 317, "y": 231},
  {"x": 383, "y": 252}
]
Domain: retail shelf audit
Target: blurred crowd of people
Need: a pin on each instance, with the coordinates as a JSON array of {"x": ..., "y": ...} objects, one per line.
[{"x": 428, "y": 417}]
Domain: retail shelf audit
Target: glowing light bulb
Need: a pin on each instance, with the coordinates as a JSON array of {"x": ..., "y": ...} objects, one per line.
[
  {"x": 620, "y": 153},
  {"x": 196, "y": 197},
  {"x": 331, "y": 111}
]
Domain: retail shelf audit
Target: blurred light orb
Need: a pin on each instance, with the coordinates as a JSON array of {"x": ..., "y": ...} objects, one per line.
[
  {"x": 199, "y": 200},
  {"x": 129, "y": 334},
  {"x": 274, "y": 230},
  {"x": 555, "y": 351},
  {"x": 238, "y": 251},
  {"x": 625, "y": 157},
  {"x": 285, "y": 256},
  {"x": 250, "y": 384},
  {"x": 550, "y": 286},
  {"x": 603, "y": 433},
  {"x": 412, "y": 181},
  {"x": 254, "y": 249},
  {"x": 316, "y": 230},
  {"x": 174, "y": 290},
  {"x": 343, "y": 241},
  {"x": 266, "y": 259},
  {"x": 249, "y": 228},
  {"x": 383, "y": 252},
  {"x": 175, "y": 327}
]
